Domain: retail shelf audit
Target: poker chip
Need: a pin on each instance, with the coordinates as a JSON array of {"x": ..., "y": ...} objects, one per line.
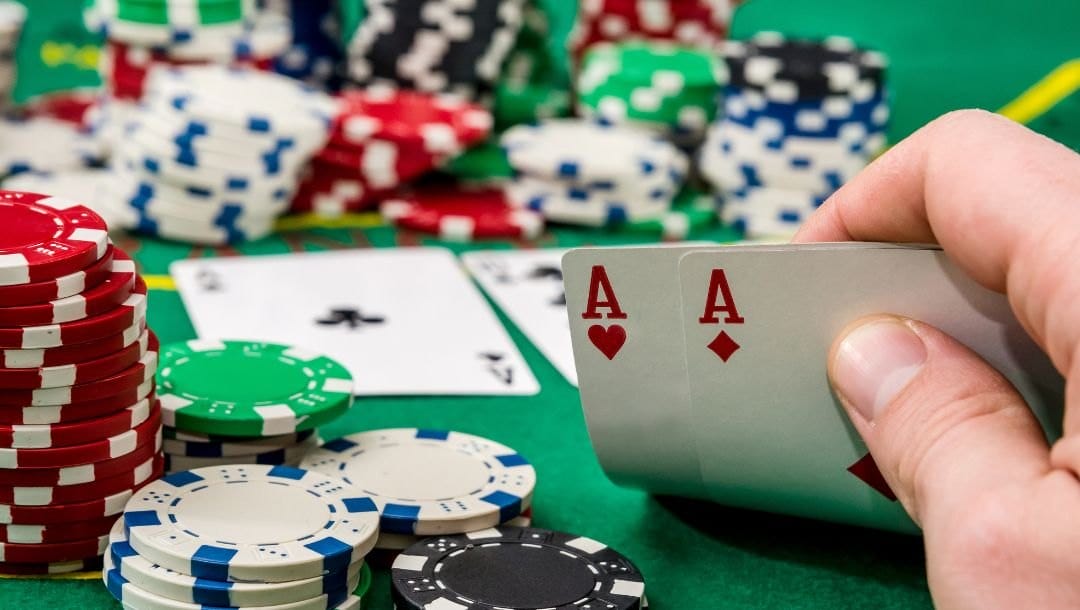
[
  {"x": 95, "y": 451},
  {"x": 479, "y": 483},
  {"x": 184, "y": 443},
  {"x": 127, "y": 379},
  {"x": 129, "y": 313},
  {"x": 60, "y": 287},
  {"x": 73, "y": 494},
  {"x": 482, "y": 570},
  {"x": 57, "y": 532},
  {"x": 315, "y": 54},
  {"x": 48, "y": 569},
  {"x": 115, "y": 289},
  {"x": 249, "y": 389},
  {"x": 281, "y": 523},
  {"x": 690, "y": 211},
  {"x": 389, "y": 541},
  {"x": 66, "y": 513},
  {"x": 288, "y": 456},
  {"x": 163, "y": 582},
  {"x": 43, "y": 144},
  {"x": 460, "y": 213},
  {"x": 77, "y": 411},
  {"x": 74, "y": 433},
  {"x": 84, "y": 473},
  {"x": 76, "y": 353},
  {"x": 53, "y": 552},
  {"x": 47, "y": 237},
  {"x": 701, "y": 24},
  {"x": 157, "y": 25}
]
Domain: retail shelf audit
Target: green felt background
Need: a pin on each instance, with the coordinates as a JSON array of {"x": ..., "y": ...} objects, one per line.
[{"x": 694, "y": 555}]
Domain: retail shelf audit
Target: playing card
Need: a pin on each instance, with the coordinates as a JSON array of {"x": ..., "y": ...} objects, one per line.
[
  {"x": 528, "y": 286},
  {"x": 405, "y": 321},
  {"x": 759, "y": 322},
  {"x": 624, "y": 311}
]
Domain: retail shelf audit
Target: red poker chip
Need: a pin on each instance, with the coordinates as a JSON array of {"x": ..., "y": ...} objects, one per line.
[
  {"x": 75, "y": 433},
  {"x": 702, "y": 23},
  {"x": 77, "y": 411},
  {"x": 72, "y": 374},
  {"x": 69, "y": 106},
  {"x": 70, "y": 354},
  {"x": 83, "y": 473},
  {"x": 45, "y": 237},
  {"x": 88, "y": 453},
  {"x": 50, "y": 569},
  {"x": 439, "y": 124},
  {"x": 53, "y": 552},
  {"x": 67, "y": 513},
  {"x": 73, "y": 494},
  {"x": 127, "y": 379},
  {"x": 114, "y": 290},
  {"x": 61, "y": 287},
  {"x": 382, "y": 164},
  {"x": 57, "y": 532},
  {"x": 130, "y": 312},
  {"x": 330, "y": 198},
  {"x": 460, "y": 213}
]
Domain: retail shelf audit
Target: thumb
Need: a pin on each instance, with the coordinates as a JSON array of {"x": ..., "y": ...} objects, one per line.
[{"x": 943, "y": 426}]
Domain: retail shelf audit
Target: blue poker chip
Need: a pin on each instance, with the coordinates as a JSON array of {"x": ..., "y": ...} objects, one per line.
[
  {"x": 510, "y": 568},
  {"x": 128, "y": 569},
  {"x": 239, "y": 523},
  {"x": 479, "y": 483}
]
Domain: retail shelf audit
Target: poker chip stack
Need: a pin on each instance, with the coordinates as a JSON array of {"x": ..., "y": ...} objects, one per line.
[
  {"x": 214, "y": 154},
  {"x": 12, "y": 18},
  {"x": 381, "y": 138},
  {"x": 80, "y": 426},
  {"x": 801, "y": 118},
  {"x": 529, "y": 88},
  {"x": 461, "y": 212},
  {"x": 700, "y": 24},
  {"x": 43, "y": 144},
  {"x": 231, "y": 402},
  {"x": 593, "y": 174},
  {"x": 243, "y": 536},
  {"x": 659, "y": 85},
  {"x": 425, "y": 482},
  {"x": 315, "y": 55},
  {"x": 143, "y": 34},
  {"x": 435, "y": 46}
]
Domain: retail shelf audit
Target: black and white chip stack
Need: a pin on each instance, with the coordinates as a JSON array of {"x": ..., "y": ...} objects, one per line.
[
  {"x": 434, "y": 46},
  {"x": 801, "y": 118}
]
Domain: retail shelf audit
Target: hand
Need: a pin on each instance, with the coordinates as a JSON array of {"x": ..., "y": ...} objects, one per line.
[{"x": 999, "y": 509}]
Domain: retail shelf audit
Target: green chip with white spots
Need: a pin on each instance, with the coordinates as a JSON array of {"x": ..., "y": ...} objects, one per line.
[
  {"x": 249, "y": 389},
  {"x": 691, "y": 210}
]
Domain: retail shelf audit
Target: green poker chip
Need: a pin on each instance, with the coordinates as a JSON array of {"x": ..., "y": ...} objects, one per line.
[
  {"x": 249, "y": 389},
  {"x": 486, "y": 161},
  {"x": 189, "y": 12},
  {"x": 691, "y": 210}
]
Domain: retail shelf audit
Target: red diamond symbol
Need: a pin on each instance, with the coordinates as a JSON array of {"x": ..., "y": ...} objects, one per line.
[
  {"x": 724, "y": 346},
  {"x": 867, "y": 471}
]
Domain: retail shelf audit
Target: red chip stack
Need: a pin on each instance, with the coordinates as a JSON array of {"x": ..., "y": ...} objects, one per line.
[
  {"x": 80, "y": 427},
  {"x": 701, "y": 24},
  {"x": 381, "y": 139}
]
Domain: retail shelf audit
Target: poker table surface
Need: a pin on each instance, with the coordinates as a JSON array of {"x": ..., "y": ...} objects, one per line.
[{"x": 693, "y": 554}]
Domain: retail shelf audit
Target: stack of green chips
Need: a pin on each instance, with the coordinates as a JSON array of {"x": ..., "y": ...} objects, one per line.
[
  {"x": 692, "y": 210},
  {"x": 166, "y": 22},
  {"x": 671, "y": 88},
  {"x": 530, "y": 89}
]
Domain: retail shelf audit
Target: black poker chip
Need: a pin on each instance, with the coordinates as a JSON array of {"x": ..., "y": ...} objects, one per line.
[
  {"x": 435, "y": 46},
  {"x": 509, "y": 568},
  {"x": 815, "y": 68}
]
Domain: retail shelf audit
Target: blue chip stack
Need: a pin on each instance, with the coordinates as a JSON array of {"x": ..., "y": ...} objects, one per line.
[
  {"x": 315, "y": 55},
  {"x": 801, "y": 119}
]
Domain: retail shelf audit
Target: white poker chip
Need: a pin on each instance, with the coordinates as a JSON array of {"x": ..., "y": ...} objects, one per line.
[
  {"x": 556, "y": 205},
  {"x": 430, "y": 482},
  {"x": 584, "y": 150},
  {"x": 162, "y": 582},
  {"x": 289, "y": 456},
  {"x": 42, "y": 144},
  {"x": 251, "y": 523}
]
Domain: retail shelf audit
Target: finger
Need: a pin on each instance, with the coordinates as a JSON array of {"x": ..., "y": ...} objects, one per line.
[
  {"x": 1004, "y": 203},
  {"x": 937, "y": 419}
]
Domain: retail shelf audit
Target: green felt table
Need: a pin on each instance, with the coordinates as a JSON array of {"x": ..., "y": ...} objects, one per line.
[
  {"x": 694, "y": 555},
  {"x": 944, "y": 55}
]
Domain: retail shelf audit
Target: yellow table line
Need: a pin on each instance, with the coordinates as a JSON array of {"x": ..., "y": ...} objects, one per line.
[
  {"x": 159, "y": 282},
  {"x": 314, "y": 221},
  {"x": 1059, "y": 84}
]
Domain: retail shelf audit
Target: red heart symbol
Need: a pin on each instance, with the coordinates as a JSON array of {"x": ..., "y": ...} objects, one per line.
[{"x": 608, "y": 340}]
